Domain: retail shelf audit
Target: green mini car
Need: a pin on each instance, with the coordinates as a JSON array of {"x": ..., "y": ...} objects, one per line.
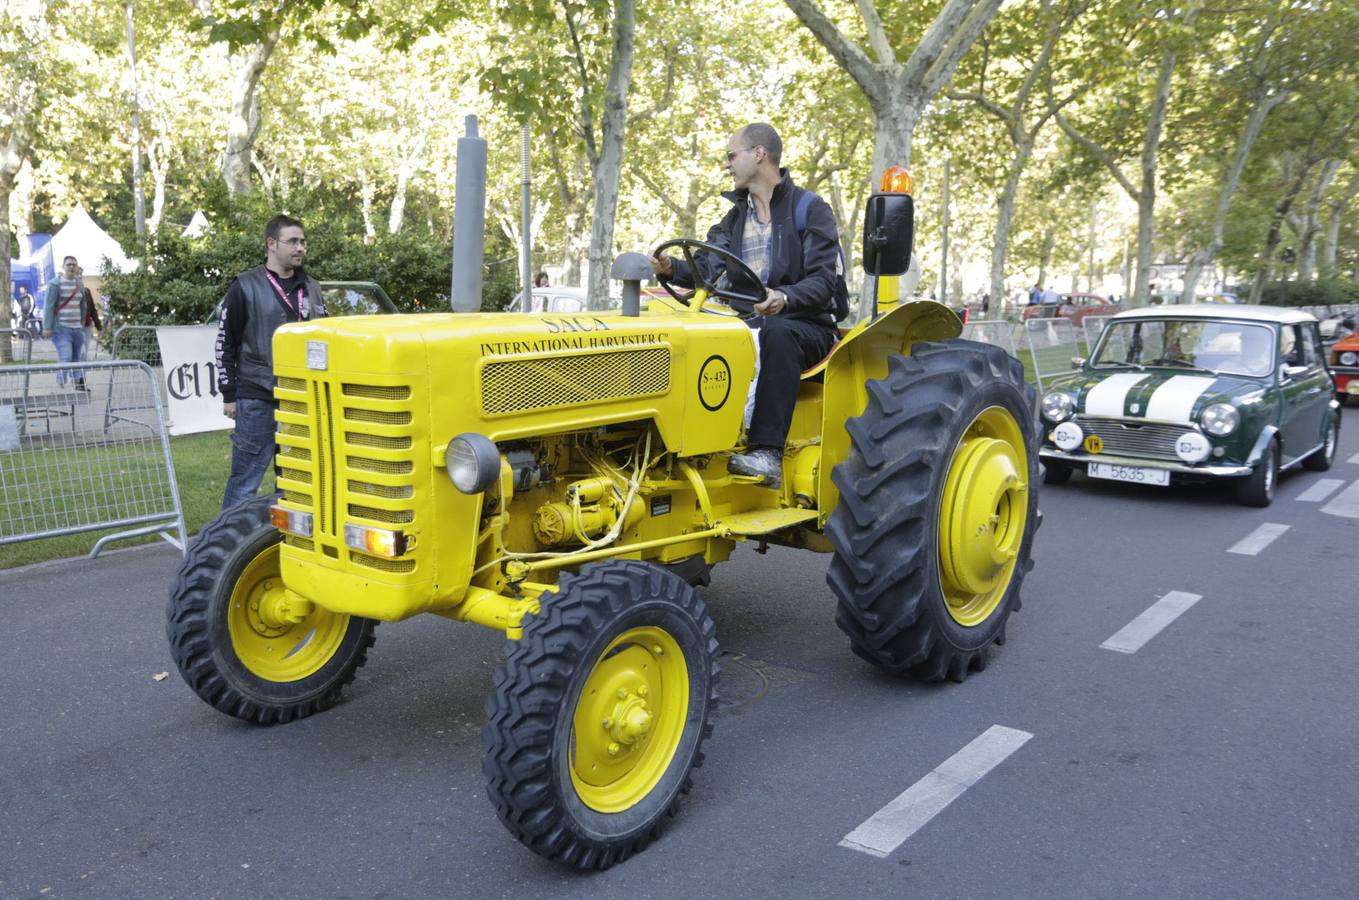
[{"x": 1196, "y": 392}]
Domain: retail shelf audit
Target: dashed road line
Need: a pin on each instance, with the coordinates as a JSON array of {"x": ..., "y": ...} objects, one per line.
[
  {"x": 1133, "y": 636},
  {"x": 1346, "y": 503},
  {"x": 1259, "y": 539},
  {"x": 888, "y": 828},
  {"x": 1355, "y": 459},
  {"x": 1320, "y": 490}
]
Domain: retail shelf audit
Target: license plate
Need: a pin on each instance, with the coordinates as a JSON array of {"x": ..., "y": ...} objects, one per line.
[{"x": 1134, "y": 474}]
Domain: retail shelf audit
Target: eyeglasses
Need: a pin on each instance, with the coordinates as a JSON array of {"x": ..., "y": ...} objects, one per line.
[{"x": 295, "y": 242}]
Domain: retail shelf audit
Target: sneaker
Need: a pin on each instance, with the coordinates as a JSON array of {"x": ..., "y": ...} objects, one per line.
[
  {"x": 763, "y": 463},
  {"x": 80, "y": 385}
]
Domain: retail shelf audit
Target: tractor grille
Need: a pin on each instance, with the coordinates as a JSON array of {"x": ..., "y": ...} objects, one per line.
[
  {"x": 520, "y": 385},
  {"x": 1148, "y": 441},
  {"x": 345, "y": 455}
]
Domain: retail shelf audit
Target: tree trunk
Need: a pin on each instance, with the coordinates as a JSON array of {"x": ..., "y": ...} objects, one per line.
[
  {"x": 158, "y": 159},
  {"x": 1005, "y": 211},
  {"x": 404, "y": 173},
  {"x": 1049, "y": 238},
  {"x": 608, "y": 168},
  {"x": 366, "y": 206},
  {"x": 138, "y": 191},
  {"x": 893, "y": 129},
  {"x": 243, "y": 123}
]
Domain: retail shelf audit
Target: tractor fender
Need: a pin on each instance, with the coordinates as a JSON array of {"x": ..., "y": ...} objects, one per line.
[{"x": 860, "y": 357}]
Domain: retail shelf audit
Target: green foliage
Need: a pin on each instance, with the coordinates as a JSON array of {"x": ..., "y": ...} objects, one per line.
[
  {"x": 1328, "y": 292},
  {"x": 184, "y": 279}
]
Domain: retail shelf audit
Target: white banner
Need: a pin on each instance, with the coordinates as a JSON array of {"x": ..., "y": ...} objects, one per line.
[{"x": 189, "y": 356}]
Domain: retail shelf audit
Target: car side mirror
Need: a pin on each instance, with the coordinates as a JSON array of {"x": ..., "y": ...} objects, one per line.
[
  {"x": 889, "y": 234},
  {"x": 1286, "y": 371}
]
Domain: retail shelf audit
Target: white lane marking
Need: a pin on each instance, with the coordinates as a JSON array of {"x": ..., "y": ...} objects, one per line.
[
  {"x": 1131, "y": 637},
  {"x": 1106, "y": 398},
  {"x": 1259, "y": 539},
  {"x": 890, "y": 826},
  {"x": 1354, "y": 458},
  {"x": 1345, "y": 504},
  {"x": 1173, "y": 400},
  {"x": 1321, "y": 490}
]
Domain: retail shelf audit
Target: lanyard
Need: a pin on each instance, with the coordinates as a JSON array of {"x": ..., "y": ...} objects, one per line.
[{"x": 295, "y": 309}]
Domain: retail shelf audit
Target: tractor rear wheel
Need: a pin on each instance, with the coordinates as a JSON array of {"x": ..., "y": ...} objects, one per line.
[
  {"x": 233, "y": 638},
  {"x": 599, "y": 713},
  {"x": 938, "y": 507}
]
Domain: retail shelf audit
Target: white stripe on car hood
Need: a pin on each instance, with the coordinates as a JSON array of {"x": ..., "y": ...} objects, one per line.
[
  {"x": 1106, "y": 398},
  {"x": 1174, "y": 400}
]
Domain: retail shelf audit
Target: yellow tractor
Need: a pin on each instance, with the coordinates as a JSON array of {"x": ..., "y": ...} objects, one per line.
[{"x": 563, "y": 479}]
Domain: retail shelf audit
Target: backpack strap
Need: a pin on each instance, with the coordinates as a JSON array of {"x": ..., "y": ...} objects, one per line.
[{"x": 804, "y": 202}]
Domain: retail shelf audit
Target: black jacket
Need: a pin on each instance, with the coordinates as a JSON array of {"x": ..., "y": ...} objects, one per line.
[{"x": 803, "y": 269}]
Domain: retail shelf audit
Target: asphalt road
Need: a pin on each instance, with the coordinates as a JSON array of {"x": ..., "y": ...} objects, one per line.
[{"x": 1218, "y": 760}]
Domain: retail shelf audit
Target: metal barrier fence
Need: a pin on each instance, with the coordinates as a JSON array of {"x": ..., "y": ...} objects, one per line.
[
  {"x": 138, "y": 342},
  {"x": 1091, "y": 328},
  {"x": 78, "y": 460},
  {"x": 996, "y": 332},
  {"x": 1052, "y": 345},
  {"x": 19, "y": 336}
]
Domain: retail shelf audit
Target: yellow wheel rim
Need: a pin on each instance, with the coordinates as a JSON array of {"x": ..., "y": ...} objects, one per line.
[
  {"x": 629, "y": 719},
  {"x": 983, "y": 515},
  {"x": 267, "y": 644}
]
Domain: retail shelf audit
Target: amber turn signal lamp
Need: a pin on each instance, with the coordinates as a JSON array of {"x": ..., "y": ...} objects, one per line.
[{"x": 896, "y": 180}]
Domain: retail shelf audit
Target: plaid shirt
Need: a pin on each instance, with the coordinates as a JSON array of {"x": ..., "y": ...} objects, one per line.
[{"x": 756, "y": 241}]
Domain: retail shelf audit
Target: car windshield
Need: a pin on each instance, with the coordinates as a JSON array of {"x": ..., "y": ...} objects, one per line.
[{"x": 1234, "y": 348}]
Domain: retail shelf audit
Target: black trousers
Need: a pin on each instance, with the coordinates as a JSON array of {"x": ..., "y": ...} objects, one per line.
[{"x": 788, "y": 347}]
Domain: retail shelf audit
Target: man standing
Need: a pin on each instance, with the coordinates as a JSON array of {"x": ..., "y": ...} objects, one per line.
[
  {"x": 63, "y": 319},
  {"x": 795, "y": 323},
  {"x": 256, "y": 304}
]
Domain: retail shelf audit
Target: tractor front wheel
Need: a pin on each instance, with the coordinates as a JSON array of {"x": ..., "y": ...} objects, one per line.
[
  {"x": 234, "y": 638},
  {"x": 938, "y": 507},
  {"x": 599, "y": 713}
]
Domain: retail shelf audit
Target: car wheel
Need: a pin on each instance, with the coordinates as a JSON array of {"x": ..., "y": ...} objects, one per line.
[
  {"x": 1257, "y": 488},
  {"x": 1321, "y": 460}
]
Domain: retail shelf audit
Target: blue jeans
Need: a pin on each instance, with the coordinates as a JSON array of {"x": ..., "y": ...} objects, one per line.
[
  {"x": 252, "y": 450},
  {"x": 70, "y": 344}
]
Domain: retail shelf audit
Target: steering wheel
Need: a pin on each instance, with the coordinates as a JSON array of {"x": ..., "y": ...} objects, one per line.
[{"x": 742, "y": 298}]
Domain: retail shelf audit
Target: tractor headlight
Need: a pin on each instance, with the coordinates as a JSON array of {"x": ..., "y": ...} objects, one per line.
[
  {"x": 1220, "y": 419},
  {"x": 1349, "y": 358},
  {"x": 473, "y": 462},
  {"x": 1057, "y": 406}
]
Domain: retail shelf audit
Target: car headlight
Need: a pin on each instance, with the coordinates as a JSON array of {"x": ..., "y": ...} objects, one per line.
[
  {"x": 1220, "y": 419},
  {"x": 473, "y": 462},
  {"x": 1057, "y": 406},
  {"x": 1349, "y": 358}
]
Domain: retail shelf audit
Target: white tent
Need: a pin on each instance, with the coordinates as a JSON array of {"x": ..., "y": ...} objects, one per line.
[
  {"x": 88, "y": 243},
  {"x": 197, "y": 227}
]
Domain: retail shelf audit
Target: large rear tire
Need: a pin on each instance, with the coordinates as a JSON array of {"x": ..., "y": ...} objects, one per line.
[
  {"x": 230, "y": 644},
  {"x": 938, "y": 507},
  {"x": 599, "y": 713}
]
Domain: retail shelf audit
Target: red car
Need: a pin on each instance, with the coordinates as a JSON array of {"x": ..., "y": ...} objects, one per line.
[
  {"x": 1345, "y": 367},
  {"x": 1072, "y": 306}
]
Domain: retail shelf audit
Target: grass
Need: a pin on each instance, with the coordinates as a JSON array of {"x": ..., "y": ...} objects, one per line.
[{"x": 202, "y": 463}]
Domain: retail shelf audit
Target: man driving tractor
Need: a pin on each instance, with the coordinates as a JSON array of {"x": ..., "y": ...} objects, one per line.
[{"x": 796, "y": 262}]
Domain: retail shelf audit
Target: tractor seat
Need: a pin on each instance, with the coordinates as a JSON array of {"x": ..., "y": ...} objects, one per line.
[{"x": 815, "y": 372}]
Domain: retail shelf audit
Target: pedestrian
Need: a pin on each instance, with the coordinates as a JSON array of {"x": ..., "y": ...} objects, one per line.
[
  {"x": 798, "y": 270},
  {"x": 541, "y": 280},
  {"x": 63, "y": 320},
  {"x": 257, "y": 303},
  {"x": 1035, "y": 294},
  {"x": 985, "y": 304},
  {"x": 1050, "y": 297},
  {"x": 93, "y": 325}
]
